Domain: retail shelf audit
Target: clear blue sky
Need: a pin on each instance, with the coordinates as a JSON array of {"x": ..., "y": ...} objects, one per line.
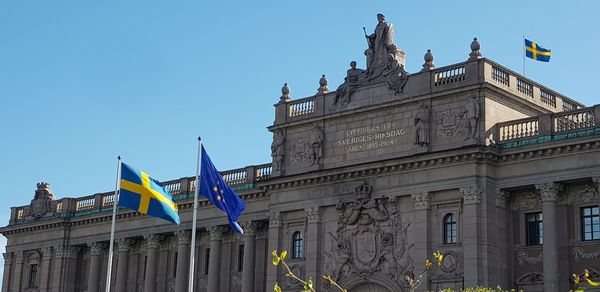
[{"x": 84, "y": 81}]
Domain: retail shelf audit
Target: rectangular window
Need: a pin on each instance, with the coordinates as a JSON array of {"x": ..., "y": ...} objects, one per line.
[
  {"x": 175, "y": 266},
  {"x": 534, "y": 228},
  {"x": 145, "y": 266},
  {"x": 33, "y": 270},
  {"x": 590, "y": 223},
  {"x": 240, "y": 257},
  {"x": 206, "y": 260}
]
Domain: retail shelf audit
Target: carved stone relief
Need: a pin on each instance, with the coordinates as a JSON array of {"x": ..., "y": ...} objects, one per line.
[
  {"x": 530, "y": 200},
  {"x": 316, "y": 145},
  {"x": 370, "y": 241},
  {"x": 524, "y": 259},
  {"x": 586, "y": 194},
  {"x": 300, "y": 151},
  {"x": 471, "y": 194},
  {"x": 452, "y": 266},
  {"x": 422, "y": 126},
  {"x": 580, "y": 255},
  {"x": 448, "y": 122},
  {"x": 531, "y": 279},
  {"x": 299, "y": 270},
  {"x": 41, "y": 205}
]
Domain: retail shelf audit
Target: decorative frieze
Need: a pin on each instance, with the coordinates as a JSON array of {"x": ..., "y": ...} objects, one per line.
[
  {"x": 549, "y": 191},
  {"x": 62, "y": 251},
  {"x": 471, "y": 194},
  {"x": 422, "y": 200},
  {"x": 524, "y": 259},
  {"x": 580, "y": 255},
  {"x": 528, "y": 201}
]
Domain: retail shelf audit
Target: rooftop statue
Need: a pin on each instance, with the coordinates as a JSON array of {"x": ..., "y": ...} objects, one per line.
[{"x": 382, "y": 55}]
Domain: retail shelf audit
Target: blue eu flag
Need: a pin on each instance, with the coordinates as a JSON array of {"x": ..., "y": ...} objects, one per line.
[
  {"x": 144, "y": 194},
  {"x": 536, "y": 52},
  {"x": 213, "y": 187}
]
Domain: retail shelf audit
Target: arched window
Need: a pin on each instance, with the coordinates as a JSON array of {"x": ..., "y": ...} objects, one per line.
[
  {"x": 297, "y": 245},
  {"x": 449, "y": 228}
]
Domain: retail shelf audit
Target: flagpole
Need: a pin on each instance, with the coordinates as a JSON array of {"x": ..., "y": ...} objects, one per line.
[
  {"x": 524, "y": 52},
  {"x": 112, "y": 227},
  {"x": 194, "y": 219}
]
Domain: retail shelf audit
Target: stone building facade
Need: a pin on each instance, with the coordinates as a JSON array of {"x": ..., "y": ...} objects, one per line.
[{"x": 499, "y": 173}]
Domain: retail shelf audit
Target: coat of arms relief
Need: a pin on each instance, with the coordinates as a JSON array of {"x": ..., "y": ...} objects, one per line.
[{"x": 370, "y": 243}]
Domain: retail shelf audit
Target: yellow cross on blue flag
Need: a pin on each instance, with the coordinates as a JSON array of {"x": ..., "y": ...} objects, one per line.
[
  {"x": 536, "y": 52},
  {"x": 213, "y": 187},
  {"x": 144, "y": 194}
]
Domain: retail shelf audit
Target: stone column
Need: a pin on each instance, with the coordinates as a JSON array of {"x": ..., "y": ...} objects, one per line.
[
  {"x": 249, "y": 256},
  {"x": 273, "y": 244},
  {"x": 421, "y": 231},
  {"x": 183, "y": 260},
  {"x": 470, "y": 231},
  {"x": 312, "y": 244},
  {"x": 123, "y": 264},
  {"x": 550, "y": 194},
  {"x": 7, "y": 267},
  {"x": 93, "y": 282},
  {"x": 152, "y": 245},
  {"x": 503, "y": 238},
  {"x": 17, "y": 280},
  {"x": 45, "y": 269},
  {"x": 214, "y": 264},
  {"x": 64, "y": 269}
]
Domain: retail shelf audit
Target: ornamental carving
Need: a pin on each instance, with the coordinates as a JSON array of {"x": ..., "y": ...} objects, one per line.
[
  {"x": 501, "y": 198},
  {"x": 549, "y": 191},
  {"x": 531, "y": 279},
  {"x": 580, "y": 255},
  {"x": 96, "y": 248},
  {"x": 275, "y": 219},
  {"x": 449, "y": 122},
  {"x": 153, "y": 240},
  {"x": 250, "y": 228},
  {"x": 66, "y": 251},
  {"x": 277, "y": 150},
  {"x": 370, "y": 241},
  {"x": 19, "y": 256},
  {"x": 587, "y": 194},
  {"x": 183, "y": 237},
  {"x": 46, "y": 253},
  {"x": 363, "y": 190},
  {"x": 41, "y": 205},
  {"x": 316, "y": 145},
  {"x": 421, "y": 200},
  {"x": 216, "y": 232},
  {"x": 530, "y": 200},
  {"x": 299, "y": 270},
  {"x": 313, "y": 214},
  {"x": 471, "y": 194},
  {"x": 452, "y": 266},
  {"x": 124, "y": 244},
  {"x": 524, "y": 259}
]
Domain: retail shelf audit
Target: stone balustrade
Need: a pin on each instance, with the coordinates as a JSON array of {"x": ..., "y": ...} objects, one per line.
[
  {"x": 550, "y": 127},
  {"x": 438, "y": 80},
  {"x": 182, "y": 189}
]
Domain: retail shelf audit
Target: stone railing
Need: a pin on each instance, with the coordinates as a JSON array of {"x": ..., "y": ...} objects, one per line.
[
  {"x": 181, "y": 189},
  {"x": 555, "y": 126},
  {"x": 435, "y": 81}
]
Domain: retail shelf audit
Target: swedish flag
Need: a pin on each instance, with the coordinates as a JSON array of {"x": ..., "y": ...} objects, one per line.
[
  {"x": 536, "y": 52},
  {"x": 144, "y": 194},
  {"x": 213, "y": 187}
]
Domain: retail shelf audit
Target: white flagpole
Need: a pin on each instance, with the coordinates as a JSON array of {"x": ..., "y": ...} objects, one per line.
[
  {"x": 112, "y": 227},
  {"x": 194, "y": 217}
]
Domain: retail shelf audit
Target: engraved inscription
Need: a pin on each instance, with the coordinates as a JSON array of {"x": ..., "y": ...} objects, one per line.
[{"x": 370, "y": 137}]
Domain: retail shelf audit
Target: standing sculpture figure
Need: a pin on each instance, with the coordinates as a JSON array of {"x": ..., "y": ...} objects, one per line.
[
  {"x": 316, "y": 145},
  {"x": 422, "y": 126},
  {"x": 277, "y": 150},
  {"x": 380, "y": 41},
  {"x": 471, "y": 115}
]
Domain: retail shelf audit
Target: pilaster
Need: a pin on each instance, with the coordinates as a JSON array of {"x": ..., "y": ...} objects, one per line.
[
  {"x": 124, "y": 247},
  {"x": 152, "y": 245},
  {"x": 421, "y": 232},
  {"x": 503, "y": 236},
  {"x": 214, "y": 265},
  {"x": 8, "y": 262},
  {"x": 470, "y": 230},
  {"x": 550, "y": 193},
  {"x": 248, "y": 271},
  {"x": 96, "y": 250},
  {"x": 273, "y": 244},
  {"x": 313, "y": 217}
]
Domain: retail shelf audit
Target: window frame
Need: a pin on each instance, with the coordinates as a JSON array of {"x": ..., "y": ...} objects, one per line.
[
  {"x": 297, "y": 245},
  {"x": 582, "y": 217},
  {"x": 540, "y": 228},
  {"x": 240, "y": 264},
  {"x": 32, "y": 277},
  {"x": 453, "y": 232}
]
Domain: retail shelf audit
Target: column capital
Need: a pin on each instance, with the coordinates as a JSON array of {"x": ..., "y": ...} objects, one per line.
[
  {"x": 501, "y": 198},
  {"x": 471, "y": 194},
  {"x": 7, "y": 258},
  {"x": 46, "y": 253},
  {"x": 96, "y": 248},
  {"x": 65, "y": 251},
  {"x": 549, "y": 191},
  {"x": 216, "y": 232},
  {"x": 183, "y": 237},
  {"x": 313, "y": 214},
  {"x": 275, "y": 219},
  {"x": 596, "y": 181},
  {"x": 124, "y": 244},
  {"x": 422, "y": 200},
  {"x": 250, "y": 228},
  {"x": 153, "y": 240}
]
